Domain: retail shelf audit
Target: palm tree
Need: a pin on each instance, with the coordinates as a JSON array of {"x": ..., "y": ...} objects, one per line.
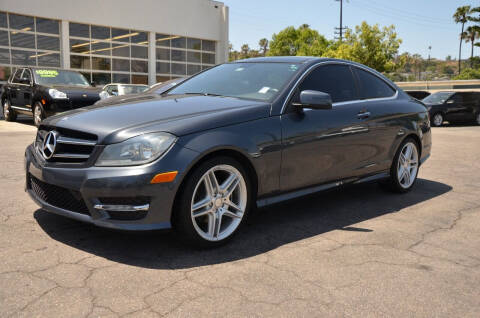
[
  {"x": 263, "y": 43},
  {"x": 470, "y": 35},
  {"x": 245, "y": 49},
  {"x": 462, "y": 16}
]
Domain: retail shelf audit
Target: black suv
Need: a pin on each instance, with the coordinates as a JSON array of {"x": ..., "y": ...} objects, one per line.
[
  {"x": 453, "y": 107},
  {"x": 45, "y": 92}
]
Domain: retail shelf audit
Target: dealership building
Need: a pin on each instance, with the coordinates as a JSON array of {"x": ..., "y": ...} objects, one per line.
[{"x": 141, "y": 41}]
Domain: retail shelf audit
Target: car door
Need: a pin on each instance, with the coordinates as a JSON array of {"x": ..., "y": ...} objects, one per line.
[
  {"x": 14, "y": 89},
  {"x": 25, "y": 90},
  {"x": 469, "y": 106},
  {"x": 379, "y": 98},
  {"x": 324, "y": 145},
  {"x": 455, "y": 108}
]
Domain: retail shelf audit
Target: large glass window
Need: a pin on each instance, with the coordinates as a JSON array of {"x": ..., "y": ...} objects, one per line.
[
  {"x": 108, "y": 54},
  {"x": 259, "y": 81},
  {"x": 27, "y": 40},
  {"x": 179, "y": 56}
]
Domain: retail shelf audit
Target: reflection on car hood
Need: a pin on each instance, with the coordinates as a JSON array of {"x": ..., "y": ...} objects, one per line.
[
  {"x": 131, "y": 98},
  {"x": 178, "y": 114},
  {"x": 76, "y": 89}
]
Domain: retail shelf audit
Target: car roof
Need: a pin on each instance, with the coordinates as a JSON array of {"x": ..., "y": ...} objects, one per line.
[{"x": 283, "y": 59}]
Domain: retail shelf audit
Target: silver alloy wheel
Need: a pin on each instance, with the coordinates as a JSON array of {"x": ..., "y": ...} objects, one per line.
[
  {"x": 407, "y": 165},
  {"x": 37, "y": 114},
  {"x": 438, "y": 119},
  {"x": 219, "y": 202},
  {"x": 6, "y": 109}
]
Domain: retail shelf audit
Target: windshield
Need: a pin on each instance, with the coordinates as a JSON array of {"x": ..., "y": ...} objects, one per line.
[
  {"x": 259, "y": 81},
  {"x": 133, "y": 89},
  {"x": 60, "y": 77},
  {"x": 437, "y": 98}
]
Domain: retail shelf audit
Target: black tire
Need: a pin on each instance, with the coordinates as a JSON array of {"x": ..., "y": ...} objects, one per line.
[
  {"x": 8, "y": 113},
  {"x": 37, "y": 106},
  {"x": 182, "y": 218},
  {"x": 393, "y": 183},
  {"x": 438, "y": 122}
]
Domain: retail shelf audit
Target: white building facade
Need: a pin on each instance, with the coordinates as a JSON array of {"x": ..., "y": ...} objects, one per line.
[{"x": 142, "y": 41}]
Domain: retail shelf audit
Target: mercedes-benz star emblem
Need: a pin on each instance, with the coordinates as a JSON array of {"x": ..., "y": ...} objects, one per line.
[{"x": 49, "y": 144}]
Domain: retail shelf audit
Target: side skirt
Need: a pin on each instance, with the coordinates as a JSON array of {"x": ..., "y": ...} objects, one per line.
[{"x": 306, "y": 191}]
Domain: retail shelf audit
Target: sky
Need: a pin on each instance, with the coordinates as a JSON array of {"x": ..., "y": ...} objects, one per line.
[{"x": 419, "y": 23}]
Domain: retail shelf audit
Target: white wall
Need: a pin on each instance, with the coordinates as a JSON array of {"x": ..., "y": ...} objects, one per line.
[{"x": 193, "y": 18}]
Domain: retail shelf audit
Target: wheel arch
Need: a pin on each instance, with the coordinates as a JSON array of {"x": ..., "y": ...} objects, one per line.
[{"x": 227, "y": 152}]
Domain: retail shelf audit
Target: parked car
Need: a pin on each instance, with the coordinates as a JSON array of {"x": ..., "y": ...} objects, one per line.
[
  {"x": 44, "y": 92},
  {"x": 453, "y": 107},
  {"x": 239, "y": 135},
  {"x": 110, "y": 90},
  {"x": 418, "y": 94},
  {"x": 153, "y": 92}
]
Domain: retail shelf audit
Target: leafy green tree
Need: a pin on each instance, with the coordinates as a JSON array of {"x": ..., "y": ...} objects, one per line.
[
  {"x": 470, "y": 35},
  {"x": 462, "y": 16},
  {"x": 302, "y": 41},
  {"x": 468, "y": 73},
  {"x": 369, "y": 45},
  {"x": 263, "y": 43}
]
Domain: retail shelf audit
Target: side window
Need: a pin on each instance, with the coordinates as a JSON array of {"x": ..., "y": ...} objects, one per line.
[
  {"x": 17, "y": 76},
  {"x": 336, "y": 80},
  {"x": 372, "y": 86},
  {"x": 457, "y": 99},
  {"x": 27, "y": 75}
]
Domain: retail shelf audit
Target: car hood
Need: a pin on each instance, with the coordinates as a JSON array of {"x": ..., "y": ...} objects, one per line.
[
  {"x": 179, "y": 115},
  {"x": 131, "y": 98},
  {"x": 77, "y": 89}
]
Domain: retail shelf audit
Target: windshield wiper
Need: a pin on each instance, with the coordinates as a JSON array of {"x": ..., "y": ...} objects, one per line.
[{"x": 204, "y": 94}]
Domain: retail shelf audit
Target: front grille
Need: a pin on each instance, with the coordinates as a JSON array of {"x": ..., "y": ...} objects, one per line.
[
  {"x": 72, "y": 146},
  {"x": 59, "y": 197}
]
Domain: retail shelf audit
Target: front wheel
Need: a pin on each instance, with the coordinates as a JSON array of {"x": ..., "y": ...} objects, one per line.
[
  {"x": 38, "y": 114},
  {"x": 213, "y": 203},
  {"x": 437, "y": 120},
  {"x": 404, "y": 169},
  {"x": 8, "y": 113}
]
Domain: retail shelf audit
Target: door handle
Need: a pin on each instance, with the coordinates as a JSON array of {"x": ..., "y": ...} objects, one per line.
[{"x": 363, "y": 114}]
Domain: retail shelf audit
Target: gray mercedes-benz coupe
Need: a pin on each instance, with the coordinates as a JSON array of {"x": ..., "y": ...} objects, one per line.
[{"x": 249, "y": 133}]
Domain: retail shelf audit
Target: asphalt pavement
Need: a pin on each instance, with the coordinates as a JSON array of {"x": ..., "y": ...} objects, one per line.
[{"x": 357, "y": 251}]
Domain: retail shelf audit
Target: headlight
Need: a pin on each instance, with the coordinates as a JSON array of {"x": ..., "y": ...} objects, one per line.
[
  {"x": 103, "y": 95},
  {"x": 57, "y": 94},
  {"x": 137, "y": 150}
]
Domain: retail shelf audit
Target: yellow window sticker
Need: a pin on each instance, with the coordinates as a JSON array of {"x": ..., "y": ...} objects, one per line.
[{"x": 47, "y": 73}]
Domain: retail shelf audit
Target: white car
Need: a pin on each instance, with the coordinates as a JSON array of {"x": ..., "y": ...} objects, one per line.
[{"x": 110, "y": 90}]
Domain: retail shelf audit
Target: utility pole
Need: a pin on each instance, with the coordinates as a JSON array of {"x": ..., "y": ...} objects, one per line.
[{"x": 340, "y": 30}]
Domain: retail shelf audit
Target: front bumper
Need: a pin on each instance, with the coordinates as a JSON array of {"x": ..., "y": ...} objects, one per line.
[{"x": 89, "y": 187}]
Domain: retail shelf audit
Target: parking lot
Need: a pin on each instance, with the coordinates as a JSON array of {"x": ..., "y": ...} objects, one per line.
[{"x": 358, "y": 251}]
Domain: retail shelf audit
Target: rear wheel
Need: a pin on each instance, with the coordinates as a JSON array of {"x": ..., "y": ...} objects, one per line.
[
  {"x": 437, "y": 120},
  {"x": 213, "y": 203},
  {"x": 404, "y": 169},
  {"x": 8, "y": 113},
  {"x": 38, "y": 114}
]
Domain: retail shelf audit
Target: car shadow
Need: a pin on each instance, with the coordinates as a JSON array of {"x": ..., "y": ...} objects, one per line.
[{"x": 266, "y": 229}]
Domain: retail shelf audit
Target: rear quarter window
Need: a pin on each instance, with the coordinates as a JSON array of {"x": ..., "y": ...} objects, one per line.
[{"x": 371, "y": 86}]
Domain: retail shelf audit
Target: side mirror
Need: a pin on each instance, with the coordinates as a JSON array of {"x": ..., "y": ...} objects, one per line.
[{"x": 314, "y": 100}]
